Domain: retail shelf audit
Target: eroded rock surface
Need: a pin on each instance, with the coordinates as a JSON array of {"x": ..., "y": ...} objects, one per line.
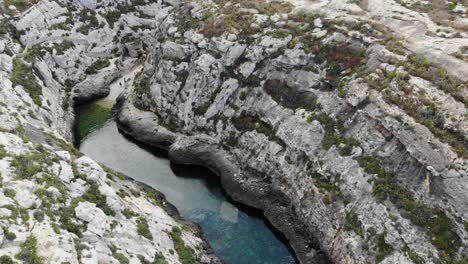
[
  {"x": 56, "y": 205},
  {"x": 345, "y": 122}
]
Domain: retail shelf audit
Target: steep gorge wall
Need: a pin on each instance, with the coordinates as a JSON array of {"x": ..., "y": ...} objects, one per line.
[
  {"x": 57, "y": 205},
  {"x": 352, "y": 145}
]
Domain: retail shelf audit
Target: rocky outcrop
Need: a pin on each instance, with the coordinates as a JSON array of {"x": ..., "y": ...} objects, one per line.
[
  {"x": 56, "y": 205},
  {"x": 352, "y": 143},
  {"x": 354, "y": 146}
]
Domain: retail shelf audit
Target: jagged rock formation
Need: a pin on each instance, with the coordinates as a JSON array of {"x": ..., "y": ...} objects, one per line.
[
  {"x": 56, "y": 205},
  {"x": 353, "y": 144}
]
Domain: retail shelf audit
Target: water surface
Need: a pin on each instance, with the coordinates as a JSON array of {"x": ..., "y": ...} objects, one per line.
[{"x": 235, "y": 234}]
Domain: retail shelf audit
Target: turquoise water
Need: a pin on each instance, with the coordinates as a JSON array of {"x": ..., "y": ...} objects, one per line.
[{"x": 235, "y": 234}]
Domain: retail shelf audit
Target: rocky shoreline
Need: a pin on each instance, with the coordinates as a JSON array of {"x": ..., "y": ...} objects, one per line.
[
  {"x": 210, "y": 255},
  {"x": 256, "y": 194}
]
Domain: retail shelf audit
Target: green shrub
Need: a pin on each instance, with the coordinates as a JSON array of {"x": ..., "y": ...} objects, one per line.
[
  {"x": 352, "y": 223},
  {"x": 186, "y": 254},
  {"x": 39, "y": 215},
  {"x": 24, "y": 75},
  {"x": 419, "y": 66},
  {"x": 28, "y": 252},
  {"x": 6, "y": 260},
  {"x": 10, "y": 236},
  {"x": 383, "y": 249},
  {"x": 67, "y": 214},
  {"x": 427, "y": 114},
  {"x": 3, "y": 152},
  {"x": 143, "y": 228},
  {"x": 434, "y": 221},
  {"x": 89, "y": 19},
  {"x": 21, "y": 5},
  {"x": 93, "y": 195},
  {"x": 141, "y": 85},
  {"x": 96, "y": 66},
  {"x": 128, "y": 213},
  {"x": 333, "y": 130},
  {"x": 9, "y": 193},
  {"x": 27, "y": 165},
  {"x": 121, "y": 258},
  {"x": 413, "y": 256}
]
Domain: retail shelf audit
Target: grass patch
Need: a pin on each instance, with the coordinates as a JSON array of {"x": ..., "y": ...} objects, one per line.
[
  {"x": 23, "y": 75},
  {"x": 121, "y": 258},
  {"x": 143, "y": 228},
  {"x": 93, "y": 195},
  {"x": 96, "y": 66},
  {"x": 128, "y": 213},
  {"x": 21, "y": 5},
  {"x": 28, "y": 252},
  {"x": 90, "y": 118},
  {"x": 434, "y": 221},
  {"x": 421, "y": 67},
  {"x": 333, "y": 130},
  {"x": 186, "y": 254},
  {"x": 6, "y": 260},
  {"x": 27, "y": 165},
  {"x": 3, "y": 152}
]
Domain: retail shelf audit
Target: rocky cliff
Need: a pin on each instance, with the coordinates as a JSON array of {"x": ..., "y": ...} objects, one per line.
[
  {"x": 56, "y": 205},
  {"x": 344, "y": 121},
  {"x": 334, "y": 120}
]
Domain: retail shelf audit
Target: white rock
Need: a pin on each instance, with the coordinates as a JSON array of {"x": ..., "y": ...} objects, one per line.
[
  {"x": 112, "y": 199},
  {"x": 5, "y": 213},
  {"x": 247, "y": 68},
  {"x": 66, "y": 172},
  {"x": 77, "y": 188},
  {"x": 95, "y": 217},
  {"x": 25, "y": 193},
  {"x": 91, "y": 169},
  {"x": 318, "y": 22},
  {"x": 231, "y": 37},
  {"x": 6, "y": 63},
  {"x": 53, "y": 192}
]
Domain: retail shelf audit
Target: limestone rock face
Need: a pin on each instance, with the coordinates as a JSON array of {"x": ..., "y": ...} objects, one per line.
[
  {"x": 345, "y": 123},
  {"x": 52, "y": 197},
  {"x": 327, "y": 128}
]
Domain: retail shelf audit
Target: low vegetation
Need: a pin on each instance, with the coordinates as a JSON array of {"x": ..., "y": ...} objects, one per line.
[
  {"x": 435, "y": 222},
  {"x": 143, "y": 228},
  {"x": 28, "y": 252},
  {"x": 3, "y": 152},
  {"x": 27, "y": 165},
  {"x": 21, "y": 5},
  {"x": 93, "y": 195},
  {"x": 24, "y": 75},
  {"x": 186, "y": 254},
  {"x": 333, "y": 134},
  {"x": 419, "y": 66},
  {"x": 97, "y": 65}
]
